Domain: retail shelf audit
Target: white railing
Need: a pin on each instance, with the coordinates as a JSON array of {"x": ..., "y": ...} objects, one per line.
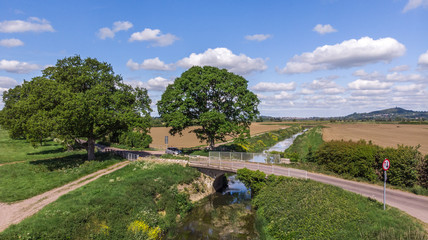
[
  {"x": 244, "y": 156},
  {"x": 232, "y": 162}
]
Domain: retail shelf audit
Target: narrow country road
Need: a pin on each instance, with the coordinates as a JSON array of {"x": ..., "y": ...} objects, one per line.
[
  {"x": 412, "y": 204},
  {"x": 16, "y": 212}
]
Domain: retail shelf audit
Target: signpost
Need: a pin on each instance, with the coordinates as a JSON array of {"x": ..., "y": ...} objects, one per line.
[{"x": 385, "y": 166}]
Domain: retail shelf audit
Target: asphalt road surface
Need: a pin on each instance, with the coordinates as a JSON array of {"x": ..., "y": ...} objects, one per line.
[{"x": 414, "y": 205}]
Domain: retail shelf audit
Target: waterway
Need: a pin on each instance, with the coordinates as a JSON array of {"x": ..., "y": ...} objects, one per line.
[
  {"x": 223, "y": 215},
  {"x": 281, "y": 146},
  {"x": 227, "y": 214}
]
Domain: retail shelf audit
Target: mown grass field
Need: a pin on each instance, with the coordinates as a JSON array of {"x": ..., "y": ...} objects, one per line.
[
  {"x": 303, "y": 209},
  {"x": 42, "y": 169},
  {"x": 135, "y": 202},
  {"x": 20, "y": 150},
  {"x": 385, "y": 135}
]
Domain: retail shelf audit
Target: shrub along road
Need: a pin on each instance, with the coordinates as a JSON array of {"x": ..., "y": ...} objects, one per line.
[
  {"x": 412, "y": 204},
  {"x": 16, "y": 212}
]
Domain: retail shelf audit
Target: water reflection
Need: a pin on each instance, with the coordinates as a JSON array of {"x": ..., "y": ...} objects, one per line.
[
  {"x": 225, "y": 215},
  {"x": 281, "y": 146}
]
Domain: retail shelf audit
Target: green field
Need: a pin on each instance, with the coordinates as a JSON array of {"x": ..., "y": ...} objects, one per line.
[
  {"x": 12, "y": 150},
  {"x": 135, "y": 202},
  {"x": 42, "y": 169}
]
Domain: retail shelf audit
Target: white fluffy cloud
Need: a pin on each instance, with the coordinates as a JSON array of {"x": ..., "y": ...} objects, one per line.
[
  {"x": 347, "y": 54},
  {"x": 12, "y": 42},
  {"x": 323, "y": 29},
  {"x": 154, "y": 84},
  {"x": 369, "y": 85},
  {"x": 154, "y": 36},
  {"x": 399, "y": 77},
  {"x": 273, "y": 87},
  {"x": 7, "y": 82},
  {"x": 14, "y": 66},
  {"x": 423, "y": 59},
  {"x": 224, "y": 58},
  {"x": 323, "y": 86},
  {"x": 258, "y": 37},
  {"x": 105, "y": 32},
  {"x": 400, "y": 68},
  {"x": 33, "y": 24},
  {"x": 150, "y": 64},
  {"x": 412, "y": 4},
  {"x": 410, "y": 88}
]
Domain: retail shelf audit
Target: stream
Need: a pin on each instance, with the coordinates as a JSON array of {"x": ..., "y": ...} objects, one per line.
[
  {"x": 227, "y": 214},
  {"x": 222, "y": 215}
]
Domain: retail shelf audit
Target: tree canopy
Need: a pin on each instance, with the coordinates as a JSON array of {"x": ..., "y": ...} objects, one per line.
[
  {"x": 215, "y": 100},
  {"x": 75, "y": 99}
]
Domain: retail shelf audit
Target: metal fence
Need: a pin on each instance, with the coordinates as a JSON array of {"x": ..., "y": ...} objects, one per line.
[
  {"x": 233, "y": 161},
  {"x": 127, "y": 155},
  {"x": 244, "y": 156}
]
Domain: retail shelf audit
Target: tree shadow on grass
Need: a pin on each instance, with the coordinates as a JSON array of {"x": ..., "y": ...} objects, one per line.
[
  {"x": 70, "y": 161},
  {"x": 58, "y": 150}
]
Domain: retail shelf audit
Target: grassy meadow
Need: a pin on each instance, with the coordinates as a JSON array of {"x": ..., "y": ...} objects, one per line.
[
  {"x": 27, "y": 179},
  {"x": 38, "y": 170},
  {"x": 136, "y": 202},
  {"x": 290, "y": 208},
  {"x": 12, "y": 150}
]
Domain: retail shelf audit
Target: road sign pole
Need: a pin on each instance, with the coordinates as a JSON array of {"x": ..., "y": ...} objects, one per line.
[
  {"x": 385, "y": 166},
  {"x": 384, "y": 190}
]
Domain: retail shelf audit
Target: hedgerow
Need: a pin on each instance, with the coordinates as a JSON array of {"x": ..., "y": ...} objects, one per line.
[{"x": 364, "y": 160}]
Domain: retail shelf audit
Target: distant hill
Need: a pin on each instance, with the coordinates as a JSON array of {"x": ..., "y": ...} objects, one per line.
[{"x": 394, "y": 114}]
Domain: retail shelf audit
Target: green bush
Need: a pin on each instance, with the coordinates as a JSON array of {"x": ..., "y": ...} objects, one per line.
[
  {"x": 255, "y": 180},
  {"x": 364, "y": 160},
  {"x": 135, "y": 139}
]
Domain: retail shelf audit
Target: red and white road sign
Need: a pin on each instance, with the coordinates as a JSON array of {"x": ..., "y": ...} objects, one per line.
[{"x": 385, "y": 164}]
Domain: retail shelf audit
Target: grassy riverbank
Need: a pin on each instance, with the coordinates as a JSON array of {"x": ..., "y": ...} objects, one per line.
[
  {"x": 303, "y": 209},
  {"x": 135, "y": 202},
  {"x": 304, "y": 146}
]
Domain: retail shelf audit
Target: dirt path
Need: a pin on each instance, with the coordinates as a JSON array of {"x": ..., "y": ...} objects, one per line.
[
  {"x": 16, "y": 212},
  {"x": 1, "y": 164}
]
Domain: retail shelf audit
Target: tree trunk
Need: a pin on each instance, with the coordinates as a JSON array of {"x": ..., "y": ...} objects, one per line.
[
  {"x": 91, "y": 149},
  {"x": 212, "y": 144}
]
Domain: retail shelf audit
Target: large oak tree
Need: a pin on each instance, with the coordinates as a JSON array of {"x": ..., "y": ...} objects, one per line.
[
  {"x": 216, "y": 101},
  {"x": 75, "y": 99}
]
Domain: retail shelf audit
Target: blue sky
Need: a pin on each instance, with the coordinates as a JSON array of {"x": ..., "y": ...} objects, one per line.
[{"x": 302, "y": 58}]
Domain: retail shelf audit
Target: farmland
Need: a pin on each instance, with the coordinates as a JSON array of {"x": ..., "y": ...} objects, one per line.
[
  {"x": 385, "y": 135},
  {"x": 189, "y": 139}
]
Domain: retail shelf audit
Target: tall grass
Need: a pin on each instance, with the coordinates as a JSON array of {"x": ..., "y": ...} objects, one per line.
[
  {"x": 136, "y": 202},
  {"x": 303, "y": 209},
  {"x": 306, "y": 143}
]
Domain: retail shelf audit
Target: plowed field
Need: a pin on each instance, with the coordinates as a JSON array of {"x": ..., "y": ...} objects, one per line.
[
  {"x": 385, "y": 135},
  {"x": 189, "y": 139}
]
